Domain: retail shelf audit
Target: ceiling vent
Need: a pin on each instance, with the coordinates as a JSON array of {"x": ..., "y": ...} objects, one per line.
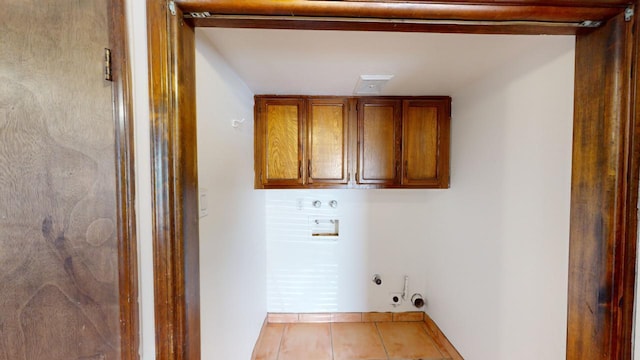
[{"x": 371, "y": 84}]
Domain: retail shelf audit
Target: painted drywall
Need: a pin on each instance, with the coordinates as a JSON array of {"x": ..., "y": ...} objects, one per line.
[
  {"x": 332, "y": 61},
  {"x": 137, "y": 27},
  {"x": 232, "y": 234},
  {"x": 490, "y": 254}
]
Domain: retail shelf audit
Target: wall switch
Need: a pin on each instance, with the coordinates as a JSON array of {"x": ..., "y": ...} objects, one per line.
[{"x": 202, "y": 201}]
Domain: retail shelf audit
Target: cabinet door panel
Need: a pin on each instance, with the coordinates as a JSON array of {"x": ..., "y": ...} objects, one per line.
[
  {"x": 328, "y": 136},
  {"x": 378, "y": 141},
  {"x": 425, "y": 134},
  {"x": 281, "y": 123}
]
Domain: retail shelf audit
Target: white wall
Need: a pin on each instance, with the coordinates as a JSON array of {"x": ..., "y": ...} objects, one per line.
[
  {"x": 490, "y": 254},
  {"x": 232, "y": 235},
  {"x": 137, "y": 26}
]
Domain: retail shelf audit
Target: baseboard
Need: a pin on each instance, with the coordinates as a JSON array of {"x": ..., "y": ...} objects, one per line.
[
  {"x": 264, "y": 324},
  {"x": 344, "y": 317},
  {"x": 440, "y": 339}
]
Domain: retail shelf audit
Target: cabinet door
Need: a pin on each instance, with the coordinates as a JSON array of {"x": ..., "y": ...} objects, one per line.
[
  {"x": 279, "y": 130},
  {"x": 425, "y": 143},
  {"x": 328, "y": 129},
  {"x": 378, "y": 141}
]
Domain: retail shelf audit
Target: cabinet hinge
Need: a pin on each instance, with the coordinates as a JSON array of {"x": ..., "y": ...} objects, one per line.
[
  {"x": 107, "y": 65},
  {"x": 172, "y": 8},
  {"x": 628, "y": 13}
]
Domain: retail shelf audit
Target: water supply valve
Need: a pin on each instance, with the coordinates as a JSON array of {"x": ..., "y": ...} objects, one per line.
[{"x": 377, "y": 279}]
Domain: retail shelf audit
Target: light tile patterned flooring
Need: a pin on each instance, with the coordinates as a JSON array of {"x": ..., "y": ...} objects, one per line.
[{"x": 398, "y": 340}]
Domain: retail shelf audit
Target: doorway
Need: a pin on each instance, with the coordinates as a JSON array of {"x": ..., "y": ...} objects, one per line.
[
  {"x": 596, "y": 201},
  {"x": 511, "y": 130}
]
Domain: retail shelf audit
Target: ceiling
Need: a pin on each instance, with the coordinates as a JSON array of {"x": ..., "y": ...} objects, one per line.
[{"x": 317, "y": 62}]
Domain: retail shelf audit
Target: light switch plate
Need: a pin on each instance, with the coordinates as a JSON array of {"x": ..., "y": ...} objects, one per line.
[{"x": 202, "y": 201}]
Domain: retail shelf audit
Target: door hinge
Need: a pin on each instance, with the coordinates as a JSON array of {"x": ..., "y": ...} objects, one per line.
[
  {"x": 107, "y": 65},
  {"x": 172, "y": 8},
  {"x": 628, "y": 13}
]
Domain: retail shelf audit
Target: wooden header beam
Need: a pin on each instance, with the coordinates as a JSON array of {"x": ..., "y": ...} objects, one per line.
[{"x": 549, "y": 11}]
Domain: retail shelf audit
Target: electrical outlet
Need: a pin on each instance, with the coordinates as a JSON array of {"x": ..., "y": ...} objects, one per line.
[{"x": 395, "y": 299}]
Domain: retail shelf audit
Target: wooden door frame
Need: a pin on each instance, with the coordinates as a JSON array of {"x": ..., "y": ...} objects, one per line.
[
  {"x": 125, "y": 182},
  {"x": 606, "y": 154}
]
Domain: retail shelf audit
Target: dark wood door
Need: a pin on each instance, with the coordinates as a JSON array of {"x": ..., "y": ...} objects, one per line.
[
  {"x": 379, "y": 136},
  {"x": 280, "y": 129},
  {"x": 58, "y": 227},
  {"x": 328, "y": 139},
  {"x": 425, "y": 142}
]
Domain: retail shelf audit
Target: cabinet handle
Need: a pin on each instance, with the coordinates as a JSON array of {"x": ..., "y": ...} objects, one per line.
[
  {"x": 300, "y": 169},
  {"x": 397, "y": 168},
  {"x": 357, "y": 177},
  {"x": 309, "y": 168}
]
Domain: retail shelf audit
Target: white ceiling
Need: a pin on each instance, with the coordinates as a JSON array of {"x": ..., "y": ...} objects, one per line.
[{"x": 330, "y": 62}]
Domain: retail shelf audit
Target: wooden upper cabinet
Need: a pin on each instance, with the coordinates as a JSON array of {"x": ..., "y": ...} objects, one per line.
[
  {"x": 327, "y": 140},
  {"x": 320, "y": 142},
  {"x": 425, "y": 142},
  {"x": 279, "y": 131},
  {"x": 379, "y": 124}
]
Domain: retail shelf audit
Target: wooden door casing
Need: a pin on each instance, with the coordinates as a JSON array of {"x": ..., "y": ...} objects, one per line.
[{"x": 538, "y": 18}]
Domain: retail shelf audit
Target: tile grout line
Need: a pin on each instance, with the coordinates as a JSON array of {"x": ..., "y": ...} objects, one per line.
[
  {"x": 281, "y": 341},
  {"x": 381, "y": 340},
  {"x": 331, "y": 340}
]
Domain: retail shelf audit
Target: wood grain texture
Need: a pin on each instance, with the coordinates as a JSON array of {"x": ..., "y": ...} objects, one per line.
[
  {"x": 59, "y": 229},
  {"x": 174, "y": 175},
  {"x": 425, "y": 142},
  {"x": 186, "y": 193},
  {"x": 328, "y": 134},
  {"x": 331, "y": 130},
  {"x": 379, "y": 141},
  {"x": 597, "y": 228},
  {"x": 279, "y": 132},
  {"x": 420, "y": 143},
  {"x": 264, "y": 22},
  {"x": 161, "y": 113},
  {"x": 125, "y": 175},
  {"x": 627, "y": 256},
  {"x": 282, "y": 142},
  {"x": 548, "y": 11}
]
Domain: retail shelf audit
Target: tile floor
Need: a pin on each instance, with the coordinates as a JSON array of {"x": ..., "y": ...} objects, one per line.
[{"x": 399, "y": 340}]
